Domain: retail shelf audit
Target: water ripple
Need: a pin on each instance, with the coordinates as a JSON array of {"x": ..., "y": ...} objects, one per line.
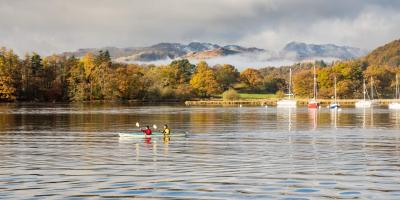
[{"x": 231, "y": 153}]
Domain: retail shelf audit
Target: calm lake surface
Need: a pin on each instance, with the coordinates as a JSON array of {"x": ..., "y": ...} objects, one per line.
[{"x": 56, "y": 151}]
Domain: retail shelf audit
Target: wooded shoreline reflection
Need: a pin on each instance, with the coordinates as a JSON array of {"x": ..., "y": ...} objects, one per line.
[{"x": 114, "y": 118}]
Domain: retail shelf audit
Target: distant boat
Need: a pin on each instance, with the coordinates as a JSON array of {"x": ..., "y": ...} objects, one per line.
[
  {"x": 366, "y": 103},
  {"x": 335, "y": 104},
  {"x": 313, "y": 103},
  {"x": 396, "y": 105},
  {"x": 288, "y": 103}
]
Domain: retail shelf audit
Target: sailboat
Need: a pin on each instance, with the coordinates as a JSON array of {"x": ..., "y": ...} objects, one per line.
[
  {"x": 396, "y": 105},
  {"x": 335, "y": 104},
  {"x": 288, "y": 103},
  {"x": 366, "y": 103},
  {"x": 313, "y": 103}
]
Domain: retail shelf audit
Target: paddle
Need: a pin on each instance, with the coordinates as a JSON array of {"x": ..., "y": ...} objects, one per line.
[
  {"x": 138, "y": 125},
  {"x": 155, "y": 127}
]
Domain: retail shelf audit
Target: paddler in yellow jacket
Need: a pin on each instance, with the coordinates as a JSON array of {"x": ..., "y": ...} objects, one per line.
[{"x": 166, "y": 131}]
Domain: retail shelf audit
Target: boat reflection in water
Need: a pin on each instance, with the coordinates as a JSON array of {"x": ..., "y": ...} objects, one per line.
[
  {"x": 394, "y": 117},
  {"x": 334, "y": 117},
  {"x": 313, "y": 118},
  {"x": 288, "y": 115},
  {"x": 367, "y": 117}
]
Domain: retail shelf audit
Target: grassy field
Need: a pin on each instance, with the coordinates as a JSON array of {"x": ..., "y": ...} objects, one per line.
[{"x": 256, "y": 96}]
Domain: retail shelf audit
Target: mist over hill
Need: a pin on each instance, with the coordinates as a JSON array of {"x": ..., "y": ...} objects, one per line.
[{"x": 239, "y": 56}]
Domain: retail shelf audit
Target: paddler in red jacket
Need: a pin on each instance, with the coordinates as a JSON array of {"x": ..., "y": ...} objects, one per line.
[{"x": 146, "y": 131}]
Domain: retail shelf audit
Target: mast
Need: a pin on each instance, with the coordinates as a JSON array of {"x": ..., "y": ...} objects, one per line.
[
  {"x": 372, "y": 88},
  {"x": 397, "y": 87},
  {"x": 290, "y": 83},
  {"x": 364, "y": 88},
  {"x": 335, "y": 89},
  {"x": 315, "y": 84}
]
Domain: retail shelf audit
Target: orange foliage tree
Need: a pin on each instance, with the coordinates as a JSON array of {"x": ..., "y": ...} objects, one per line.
[{"x": 203, "y": 81}]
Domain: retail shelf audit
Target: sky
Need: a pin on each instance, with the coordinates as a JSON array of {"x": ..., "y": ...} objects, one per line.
[{"x": 54, "y": 26}]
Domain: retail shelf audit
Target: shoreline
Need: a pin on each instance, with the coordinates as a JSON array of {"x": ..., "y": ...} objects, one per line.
[{"x": 272, "y": 102}]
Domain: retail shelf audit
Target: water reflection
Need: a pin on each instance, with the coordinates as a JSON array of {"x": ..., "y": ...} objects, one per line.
[
  {"x": 395, "y": 118},
  {"x": 334, "y": 117},
  {"x": 72, "y": 151},
  {"x": 197, "y": 120},
  {"x": 313, "y": 118},
  {"x": 286, "y": 115}
]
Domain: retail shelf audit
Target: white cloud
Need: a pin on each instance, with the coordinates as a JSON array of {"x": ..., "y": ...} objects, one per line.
[{"x": 49, "y": 26}]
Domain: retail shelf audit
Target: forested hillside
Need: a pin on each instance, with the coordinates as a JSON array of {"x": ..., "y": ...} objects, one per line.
[{"x": 388, "y": 54}]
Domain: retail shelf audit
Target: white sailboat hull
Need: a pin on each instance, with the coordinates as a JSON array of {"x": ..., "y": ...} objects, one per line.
[
  {"x": 365, "y": 104},
  {"x": 286, "y": 103},
  {"x": 394, "y": 106}
]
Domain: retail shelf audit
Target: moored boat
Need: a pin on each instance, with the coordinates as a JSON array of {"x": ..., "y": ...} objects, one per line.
[
  {"x": 313, "y": 103},
  {"x": 396, "y": 105},
  {"x": 288, "y": 103},
  {"x": 334, "y": 104},
  {"x": 366, "y": 103},
  {"x": 363, "y": 104}
]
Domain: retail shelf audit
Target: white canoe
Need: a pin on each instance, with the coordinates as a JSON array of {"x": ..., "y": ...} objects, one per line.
[{"x": 142, "y": 135}]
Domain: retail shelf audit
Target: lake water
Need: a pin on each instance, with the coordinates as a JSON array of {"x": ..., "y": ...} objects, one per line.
[{"x": 73, "y": 151}]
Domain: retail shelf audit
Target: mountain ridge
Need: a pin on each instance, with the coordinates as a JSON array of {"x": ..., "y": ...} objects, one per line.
[
  {"x": 304, "y": 51},
  {"x": 203, "y": 50}
]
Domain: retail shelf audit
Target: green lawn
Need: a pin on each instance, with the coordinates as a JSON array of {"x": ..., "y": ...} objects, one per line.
[{"x": 256, "y": 96}]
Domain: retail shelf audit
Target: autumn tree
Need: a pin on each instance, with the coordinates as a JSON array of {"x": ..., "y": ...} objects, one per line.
[
  {"x": 89, "y": 66},
  {"x": 104, "y": 77},
  {"x": 349, "y": 78},
  {"x": 54, "y": 79},
  {"x": 226, "y": 75},
  {"x": 183, "y": 70},
  {"x": 325, "y": 79},
  {"x": 303, "y": 83},
  {"x": 8, "y": 75},
  {"x": 78, "y": 89},
  {"x": 32, "y": 78},
  {"x": 274, "y": 85},
  {"x": 252, "y": 78},
  {"x": 128, "y": 82},
  {"x": 204, "y": 81}
]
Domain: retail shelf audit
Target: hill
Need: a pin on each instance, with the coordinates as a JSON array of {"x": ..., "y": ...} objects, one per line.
[
  {"x": 302, "y": 51},
  {"x": 388, "y": 54},
  {"x": 294, "y": 51},
  {"x": 163, "y": 51}
]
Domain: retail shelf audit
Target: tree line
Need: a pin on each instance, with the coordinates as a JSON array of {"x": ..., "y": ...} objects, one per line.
[{"x": 95, "y": 77}]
